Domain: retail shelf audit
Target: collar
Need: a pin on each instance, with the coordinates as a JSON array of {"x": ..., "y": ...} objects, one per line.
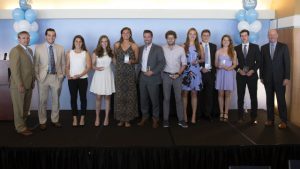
[
  {"x": 24, "y": 47},
  {"x": 246, "y": 44}
]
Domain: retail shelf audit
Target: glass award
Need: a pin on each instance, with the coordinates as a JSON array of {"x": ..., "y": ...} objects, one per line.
[{"x": 126, "y": 58}]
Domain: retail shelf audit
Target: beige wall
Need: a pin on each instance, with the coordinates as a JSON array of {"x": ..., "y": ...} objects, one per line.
[{"x": 284, "y": 8}]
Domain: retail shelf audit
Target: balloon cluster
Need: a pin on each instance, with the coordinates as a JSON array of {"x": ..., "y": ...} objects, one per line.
[
  {"x": 247, "y": 19},
  {"x": 25, "y": 20}
]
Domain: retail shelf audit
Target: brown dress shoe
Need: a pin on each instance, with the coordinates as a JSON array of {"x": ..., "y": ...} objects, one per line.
[
  {"x": 26, "y": 132},
  {"x": 155, "y": 123},
  {"x": 43, "y": 127},
  {"x": 282, "y": 125},
  {"x": 269, "y": 123},
  {"x": 142, "y": 122},
  {"x": 57, "y": 125}
]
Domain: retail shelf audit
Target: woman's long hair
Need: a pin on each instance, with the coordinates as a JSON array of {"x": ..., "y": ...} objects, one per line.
[
  {"x": 230, "y": 49},
  {"x": 99, "y": 51},
  {"x": 83, "y": 47},
  {"x": 130, "y": 38},
  {"x": 196, "y": 42}
]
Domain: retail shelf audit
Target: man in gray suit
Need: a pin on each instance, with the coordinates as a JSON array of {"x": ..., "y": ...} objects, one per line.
[
  {"x": 152, "y": 62},
  {"x": 275, "y": 75},
  {"x": 49, "y": 62},
  {"x": 21, "y": 81}
]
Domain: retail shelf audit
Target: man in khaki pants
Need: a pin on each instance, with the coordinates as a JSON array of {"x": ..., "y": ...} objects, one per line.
[
  {"x": 21, "y": 81},
  {"x": 49, "y": 62}
]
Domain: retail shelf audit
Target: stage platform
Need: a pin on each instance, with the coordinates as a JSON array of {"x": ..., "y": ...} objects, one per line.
[{"x": 206, "y": 145}]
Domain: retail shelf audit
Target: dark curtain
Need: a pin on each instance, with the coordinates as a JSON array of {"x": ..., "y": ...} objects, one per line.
[{"x": 206, "y": 157}]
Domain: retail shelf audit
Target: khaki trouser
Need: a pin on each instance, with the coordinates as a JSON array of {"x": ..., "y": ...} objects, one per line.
[
  {"x": 52, "y": 83},
  {"x": 21, "y": 104}
]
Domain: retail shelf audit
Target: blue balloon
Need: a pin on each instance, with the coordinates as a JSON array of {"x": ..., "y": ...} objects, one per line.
[
  {"x": 18, "y": 14},
  {"x": 251, "y": 15},
  {"x": 30, "y": 15},
  {"x": 24, "y": 4},
  {"x": 253, "y": 37},
  {"x": 34, "y": 37},
  {"x": 237, "y": 38},
  {"x": 240, "y": 15},
  {"x": 249, "y": 4}
]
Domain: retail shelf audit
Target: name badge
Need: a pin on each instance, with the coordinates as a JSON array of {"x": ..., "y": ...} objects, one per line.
[{"x": 126, "y": 58}]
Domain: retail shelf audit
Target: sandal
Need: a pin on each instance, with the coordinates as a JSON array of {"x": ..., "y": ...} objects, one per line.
[
  {"x": 221, "y": 116},
  {"x": 225, "y": 117}
]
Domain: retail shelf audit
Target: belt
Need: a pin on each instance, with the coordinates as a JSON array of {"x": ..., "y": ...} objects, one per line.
[
  {"x": 52, "y": 73},
  {"x": 170, "y": 73}
]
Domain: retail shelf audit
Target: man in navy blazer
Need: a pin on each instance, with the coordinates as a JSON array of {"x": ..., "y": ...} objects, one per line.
[
  {"x": 248, "y": 55},
  {"x": 275, "y": 75},
  {"x": 152, "y": 62}
]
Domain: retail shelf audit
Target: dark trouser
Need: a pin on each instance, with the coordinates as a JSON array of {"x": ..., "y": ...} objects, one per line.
[
  {"x": 81, "y": 86},
  {"x": 209, "y": 94},
  {"x": 279, "y": 89},
  {"x": 251, "y": 82},
  {"x": 167, "y": 86},
  {"x": 148, "y": 90}
]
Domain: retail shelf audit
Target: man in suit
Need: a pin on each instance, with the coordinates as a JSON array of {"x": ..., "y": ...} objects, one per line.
[
  {"x": 275, "y": 75},
  {"x": 152, "y": 62},
  {"x": 49, "y": 60},
  {"x": 209, "y": 76},
  {"x": 248, "y": 56},
  {"x": 21, "y": 81}
]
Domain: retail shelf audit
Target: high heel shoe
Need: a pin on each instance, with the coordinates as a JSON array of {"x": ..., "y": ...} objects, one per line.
[
  {"x": 105, "y": 123},
  {"x": 225, "y": 117},
  {"x": 97, "y": 123},
  {"x": 221, "y": 116},
  {"x": 120, "y": 124},
  {"x": 127, "y": 124}
]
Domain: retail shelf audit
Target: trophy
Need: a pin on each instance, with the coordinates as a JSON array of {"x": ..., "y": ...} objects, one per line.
[
  {"x": 148, "y": 68},
  {"x": 246, "y": 69}
]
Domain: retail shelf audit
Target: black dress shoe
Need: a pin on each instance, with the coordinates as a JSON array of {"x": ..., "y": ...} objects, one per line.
[
  {"x": 253, "y": 122},
  {"x": 56, "y": 125}
]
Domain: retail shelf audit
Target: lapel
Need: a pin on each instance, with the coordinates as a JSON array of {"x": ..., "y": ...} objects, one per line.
[
  {"x": 211, "y": 53},
  {"x": 28, "y": 55},
  {"x": 150, "y": 53},
  {"x": 55, "y": 50},
  {"x": 47, "y": 52},
  {"x": 276, "y": 50},
  {"x": 268, "y": 51}
]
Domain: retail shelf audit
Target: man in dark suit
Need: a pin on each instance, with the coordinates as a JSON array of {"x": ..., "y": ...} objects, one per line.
[
  {"x": 275, "y": 75},
  {"x": 21, "y": 81},
  {"x": 208, "y": 77},
  {"x": 152, "y": 62},
  {"x": 248, "y": 55}
]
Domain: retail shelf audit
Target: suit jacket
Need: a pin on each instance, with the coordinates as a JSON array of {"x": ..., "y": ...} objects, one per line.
[
  {"x": 22, "y": 68},
  {"x": 252, "y": 59},
  {"x": 41, "y": 61},
  {"x": 212, "y": 50},
  {"x": 278, "y": 69},
  {"x": 157, "y": 62}
]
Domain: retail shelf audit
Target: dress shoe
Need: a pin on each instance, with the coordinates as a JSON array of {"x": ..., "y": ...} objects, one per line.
[
  {"x": 253, "y": 122},
  {"x": 43, "y": 127},
  {"x": 142, "y": 122},
  {"x": 269, "y": 123},
  {"x": 155, "y": 123},
  {"x": 56, "y": 125},
  {"x": 121, "y": 123},
  {"x": 282, "y": 125},
  {"x": 26, "y": 132},
  {"x": 241, "y": 121}
]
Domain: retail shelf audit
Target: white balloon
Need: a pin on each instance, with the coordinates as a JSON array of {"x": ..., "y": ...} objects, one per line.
[
  {"x": 24, "y": 25},
  {"x": 255, "y": 26},
  {"x": 243, "y": 25},
  {"x": 34, "y": 27},
  {"x": 17, "y": 27}
]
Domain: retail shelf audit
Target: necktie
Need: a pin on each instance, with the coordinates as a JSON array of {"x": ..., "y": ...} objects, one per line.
[
  {"x": 272, "y": 50},
  {"x": 52, "y": 61},
  {"x": 245, "y": 51},
  {"x": 29, "y": 54},
  {"x": 206, "y": 54}
]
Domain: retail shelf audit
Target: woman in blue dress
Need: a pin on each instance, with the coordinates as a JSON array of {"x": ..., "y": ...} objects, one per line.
[
  {"x": 191, "y": 78},
  {"x": 225, "y": 63}
]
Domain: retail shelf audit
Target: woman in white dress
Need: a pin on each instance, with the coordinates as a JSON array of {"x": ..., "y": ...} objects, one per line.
[
  {"x": 103, "y": 81},
  {"x": 78, "y": 64}
]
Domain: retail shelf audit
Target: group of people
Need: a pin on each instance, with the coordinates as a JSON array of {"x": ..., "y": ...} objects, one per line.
[{"x": 186, "y": 68}]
